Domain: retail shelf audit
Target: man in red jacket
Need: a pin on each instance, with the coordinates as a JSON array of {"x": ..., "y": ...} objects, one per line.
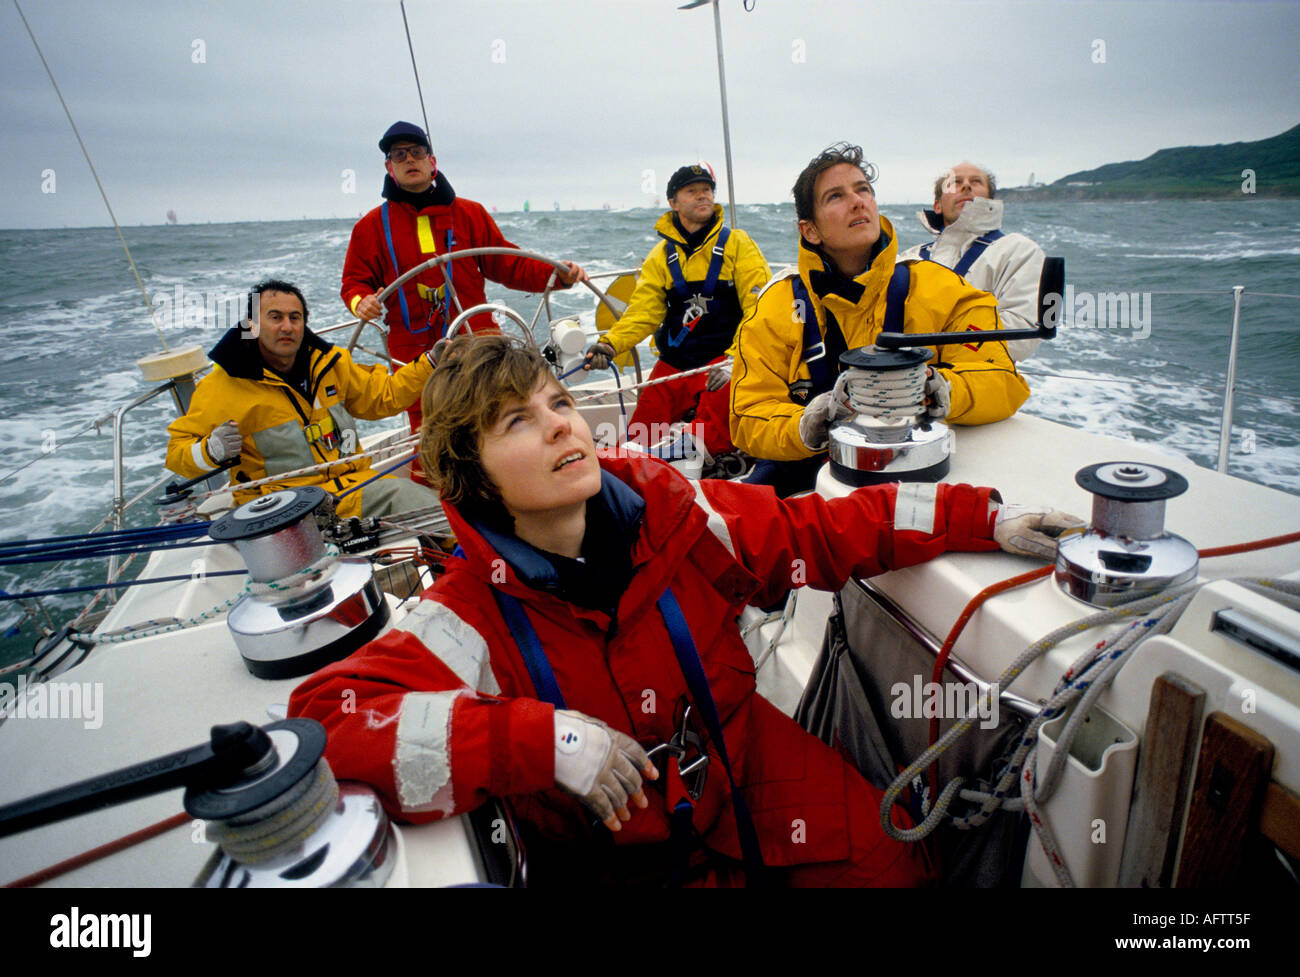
[
  {"x": 422, "y": 217},
  {"x": 597, "y": 600}
]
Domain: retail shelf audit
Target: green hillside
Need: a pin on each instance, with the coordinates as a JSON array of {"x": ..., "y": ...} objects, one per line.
[{"x": 1187, "y": 171}]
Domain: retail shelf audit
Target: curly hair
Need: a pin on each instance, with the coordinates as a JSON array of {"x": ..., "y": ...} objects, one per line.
[
  {"x": 841, "y": 152},
  {"x": 475, "y": 379}
]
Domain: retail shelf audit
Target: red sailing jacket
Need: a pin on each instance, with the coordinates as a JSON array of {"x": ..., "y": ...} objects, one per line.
[
  {"x": 417, "y": 237},
  {"x": 440, "y": 713}
]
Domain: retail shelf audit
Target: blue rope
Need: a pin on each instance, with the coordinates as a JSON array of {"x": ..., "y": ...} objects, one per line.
[
  {"x": 179, "y": 530},
  {"x": 4, "y": 595},
  {"x": 57, "y": 554}
]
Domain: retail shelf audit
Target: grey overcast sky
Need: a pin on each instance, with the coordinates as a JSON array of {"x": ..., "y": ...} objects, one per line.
[{"x": 260, "y": 110}]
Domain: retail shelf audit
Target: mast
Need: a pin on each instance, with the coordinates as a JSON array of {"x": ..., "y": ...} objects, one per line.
[{"x": 722, "y": 88}]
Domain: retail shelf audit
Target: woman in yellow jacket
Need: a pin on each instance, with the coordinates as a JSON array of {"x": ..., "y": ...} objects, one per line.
[
  {"x": 283, "y": 398},
  {"x": 847, "y": 253}
]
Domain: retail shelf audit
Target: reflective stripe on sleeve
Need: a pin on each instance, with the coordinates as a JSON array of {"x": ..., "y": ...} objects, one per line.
[
  {"x": 200, "y": 459},
  {"x": 422, "y": 759},
  {"x": 717, "y": 525},
  {"x": 914, "y": 507},
  {"x": 457, "y": 644}
]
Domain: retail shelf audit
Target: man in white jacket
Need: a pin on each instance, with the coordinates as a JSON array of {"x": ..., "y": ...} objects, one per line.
[{"x": 968, "y": 222}]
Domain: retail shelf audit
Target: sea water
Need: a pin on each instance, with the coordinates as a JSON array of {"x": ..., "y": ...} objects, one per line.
[{"x": 1151, "y": 368}]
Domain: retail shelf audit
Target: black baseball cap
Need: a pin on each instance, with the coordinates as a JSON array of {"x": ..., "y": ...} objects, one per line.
[
  {"x": 695, "y": 173},
  {"x": 404, "y": 131}
]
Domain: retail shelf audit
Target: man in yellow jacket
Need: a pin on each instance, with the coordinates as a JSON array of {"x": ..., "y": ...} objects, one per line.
[
  {"x": 281, "y": 398},
  {"x": 781, "y": 407},
  {"x": 695, "y": 287}
]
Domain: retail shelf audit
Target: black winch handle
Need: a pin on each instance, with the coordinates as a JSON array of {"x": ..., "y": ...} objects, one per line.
[
  {"x": 231, "y": 750},
  {"x": 176, "y": 491},
  {"x": 1051, "y": 291}
]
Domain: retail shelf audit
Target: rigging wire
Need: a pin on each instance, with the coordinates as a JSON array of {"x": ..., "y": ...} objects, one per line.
[
  {"x": 410, "y": 48},
  {"x": 143, "y": 291}
]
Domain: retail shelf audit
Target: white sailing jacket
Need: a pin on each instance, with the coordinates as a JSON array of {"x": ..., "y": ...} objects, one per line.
[{"x": 1009, "y": 267}]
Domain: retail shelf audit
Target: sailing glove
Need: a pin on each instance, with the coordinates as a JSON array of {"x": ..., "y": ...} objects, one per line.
[
  {"x": 600, "y": 766},
  {"x": 939, "y": 392},
  {"x": 718, "y": 377},
  {"x": 815, "y": 422},
  {"x": 1028, "y": 530},
  {"x": 224, "y": 442},
  {"x": 599, "y": 356}
]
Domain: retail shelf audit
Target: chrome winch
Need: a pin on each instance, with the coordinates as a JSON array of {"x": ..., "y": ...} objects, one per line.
[
  {"x": 304, "y": 609},
  {"x": 283, "y": 821},
  {"x": 1125, "y": 552},
  {"x": 269, "y": 800},
  {"x": 894, "y": 442}
]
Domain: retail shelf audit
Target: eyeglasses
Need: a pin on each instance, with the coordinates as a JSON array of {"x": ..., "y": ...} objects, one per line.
[{"x": 415, "y": 152}]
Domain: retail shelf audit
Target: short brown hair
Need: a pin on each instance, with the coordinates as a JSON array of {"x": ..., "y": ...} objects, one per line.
[
  {"x": 475, "y": 378},
  {"x": 806, "y": 184}
]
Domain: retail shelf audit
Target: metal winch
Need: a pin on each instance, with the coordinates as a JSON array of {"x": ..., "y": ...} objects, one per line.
[
  {"x": 1125, "y": 552},
  {"x": 269, "y": 799},
  {"x": 305, "y": 609},
  {"x": 895, "y": 442},
  {"x": 284, "y": 821}
]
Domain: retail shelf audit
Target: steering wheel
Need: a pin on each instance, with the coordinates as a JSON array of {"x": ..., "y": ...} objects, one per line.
[{"x": 464, "y": 314}]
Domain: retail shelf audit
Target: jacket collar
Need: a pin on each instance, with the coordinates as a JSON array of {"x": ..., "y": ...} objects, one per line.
[
  {"x": 614, "y": 514},
  {"x": 440, "y": 194},
  {"x": 238, "y": 354},
  {"x": 979, "y": 216},
  {"x": 668, "y": 228},
  {"x": 645, "y": 501},
  {"x": 828, "y": 289}
]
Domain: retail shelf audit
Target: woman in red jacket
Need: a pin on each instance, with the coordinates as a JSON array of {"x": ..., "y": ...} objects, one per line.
[{"x": 593, "y": 619}]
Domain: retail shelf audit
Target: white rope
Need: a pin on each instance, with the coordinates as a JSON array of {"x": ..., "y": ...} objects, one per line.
[
  {"x": 282, "y": 824},
  {"x": 1081, "y": 685},
  {"x": 650, "y": 383},
  {"x": 1028, "y": 741},
  {"x": 383, "y": 453},
  {"x": 784, "y": 616},
  {"x": 285, "y": 586}
]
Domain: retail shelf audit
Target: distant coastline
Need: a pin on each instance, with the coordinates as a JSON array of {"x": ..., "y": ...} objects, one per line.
[{"x": 1267, "y": 168}]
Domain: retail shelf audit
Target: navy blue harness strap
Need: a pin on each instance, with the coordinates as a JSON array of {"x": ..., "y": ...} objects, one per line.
[
  {"x": 530, "y": 647},
  {"x": 896, "y": 298},
  {"x": 715, "y": 266},
  {"x": 397, "y": 270},
  {"x": 821, "y": 371},
  {"x": 447, "y": 287},
  {"x": 693, "y": 669},
  {"x": 974, "y": 251},
  {"x": 688, "y": 658},
  {"x": 925, "y": 250},
  {"x": 683, "y": 290}
]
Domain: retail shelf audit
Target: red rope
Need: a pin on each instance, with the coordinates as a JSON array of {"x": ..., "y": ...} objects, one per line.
[{"x": 103, "y": 851}]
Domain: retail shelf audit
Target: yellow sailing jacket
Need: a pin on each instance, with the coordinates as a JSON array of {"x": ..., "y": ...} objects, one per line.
[
  {"x": 277, "y": 420},
  {"x": 743, "y": 266},
  {"x": 768, "y": 350}
]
